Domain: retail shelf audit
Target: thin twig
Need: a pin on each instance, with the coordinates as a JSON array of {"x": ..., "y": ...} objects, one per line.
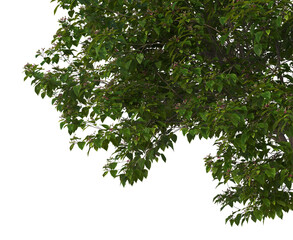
[{"x": 212, "y": 28}]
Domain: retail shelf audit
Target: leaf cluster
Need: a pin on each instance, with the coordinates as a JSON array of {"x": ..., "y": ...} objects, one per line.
[{"x": 133, "y": 73}]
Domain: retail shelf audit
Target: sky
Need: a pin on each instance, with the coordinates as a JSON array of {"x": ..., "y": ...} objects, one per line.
[{"x": 49, "y": 192}]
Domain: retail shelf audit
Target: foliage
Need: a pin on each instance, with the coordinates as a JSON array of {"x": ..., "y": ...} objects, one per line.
[{"x": 135, "y": 72}]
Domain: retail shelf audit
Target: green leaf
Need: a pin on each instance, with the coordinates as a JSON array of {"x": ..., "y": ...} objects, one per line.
[
  {"x": 223, "y": 20},
  {"x": 113, "y": 165},
  {"x": 189, "y": 90},
  {"x": 105, "y": 144},
  {"x": 203, "y": 115},
  {"x": 158, "y": 64},
  {"x": 184, "y": 131},
  {"x": 204, "y": 132},
  {"x": 280, "y": 213},
  {"x": 55, "y": 59},
  {"x": 62, "y": 125},
  {"x": 233, "y": 77},
  {"x": 260, "y": 178},
  {"x": 81, "y": 145},
  {"x": 163, "y": 157},
  {"x": 271, "y": 172},
  {"x": 257, "y": 49},
  {"x": 282, "y": 203},
  {"x": 235, "y": 118},
  {"x": 139, "y": 58},
  {"x": 127, "y": 64},
  {"x": 258, "y": 36},
  {"x": 157, "y": 30},
  {"x": 56, "y": 8},
  {"x": 174, "y": 138},
  {"x": 148, "y": 164},
  {"x": 141, "y": 162},
  {"x": 71, "y": 146},
  {"x": 279, "y": 21},
  {"x": 237, "y": 178},
  {"x": 266, "y": 95},
  {"x": 266, "y": 202},
  {"x": 43, "y": 94},
  {"x": 237, "y": 219},
  {"x": 268, "y": 32},
  {"x": 223, "y": 39},
  {"x": 113, "y": 173},
  {"x": 142, "y": 22},
  {"x": 258, "y": 214},
  {"x": 220, "y": 86},
  {"x": 71, "y": 13},
  {"x": 190, "y": 137},
  {"x": 76, "y": 90},
  {"x": 38, "y": 89}
]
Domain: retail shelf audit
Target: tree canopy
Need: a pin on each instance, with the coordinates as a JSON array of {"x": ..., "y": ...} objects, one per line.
[{"x": 132, "y": 73}]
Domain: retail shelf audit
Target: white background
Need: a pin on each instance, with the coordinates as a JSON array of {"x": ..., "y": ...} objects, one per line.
[{"x": 48, "y": 192}]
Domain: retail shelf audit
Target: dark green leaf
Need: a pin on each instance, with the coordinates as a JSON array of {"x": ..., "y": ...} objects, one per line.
[{"x": 81, "y": 145}]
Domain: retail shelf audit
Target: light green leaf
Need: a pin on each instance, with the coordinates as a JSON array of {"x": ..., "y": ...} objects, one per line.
[
  {"x": 139, "y": 58},
  {"x": 76, "y": 90},
  {"x": 271, "y": 172},
  {"x": 189, "y": 90},
  {"x": 237, "y": 178}
]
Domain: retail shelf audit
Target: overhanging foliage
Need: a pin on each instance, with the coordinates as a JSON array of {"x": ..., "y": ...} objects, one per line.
[{"x": 135, "y": 72}]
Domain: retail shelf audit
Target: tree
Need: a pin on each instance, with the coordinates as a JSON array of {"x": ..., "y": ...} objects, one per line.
[{"x": 133, "y": 73}]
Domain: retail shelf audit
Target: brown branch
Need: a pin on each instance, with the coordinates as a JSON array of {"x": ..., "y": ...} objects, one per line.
[{"x": 212, "y": 28}]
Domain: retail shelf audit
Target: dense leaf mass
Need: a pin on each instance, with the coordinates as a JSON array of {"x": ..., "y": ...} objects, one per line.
[{"x": 133, "y": 72}]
